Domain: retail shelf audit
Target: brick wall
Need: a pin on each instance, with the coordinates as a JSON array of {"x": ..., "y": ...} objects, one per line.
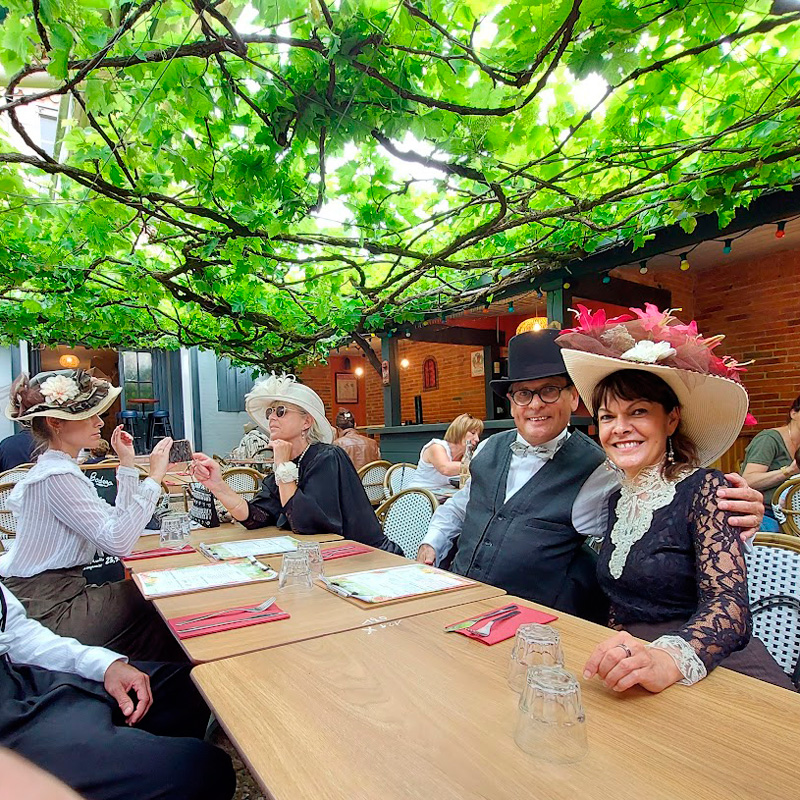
[
  {"x": 318, "y": 378},
  {"x": 458, "y": 391},
  {"x": 374, "y": 396},
  {"x": 683, "y": 285}
]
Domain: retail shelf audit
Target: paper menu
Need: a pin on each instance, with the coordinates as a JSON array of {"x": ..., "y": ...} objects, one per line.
[
  {"x": 181, "y": 580},
  {"x": 250, "y": 547},
  {"x": 394, "y": 583}
]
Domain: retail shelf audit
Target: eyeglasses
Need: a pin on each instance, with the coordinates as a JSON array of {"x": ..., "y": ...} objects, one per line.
[
  {"x": 547, "y": 394},
  {"x": 278, "y": 411}
]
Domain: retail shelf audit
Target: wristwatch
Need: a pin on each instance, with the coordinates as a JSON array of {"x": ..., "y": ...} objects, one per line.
[{"x": 786, "y": 469}]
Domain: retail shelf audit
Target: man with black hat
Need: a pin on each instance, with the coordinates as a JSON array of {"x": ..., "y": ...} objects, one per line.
[{"x": 537, "y": 491}]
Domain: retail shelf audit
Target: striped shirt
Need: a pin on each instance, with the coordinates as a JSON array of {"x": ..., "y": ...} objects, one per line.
[{"x": 62, "y": 522}]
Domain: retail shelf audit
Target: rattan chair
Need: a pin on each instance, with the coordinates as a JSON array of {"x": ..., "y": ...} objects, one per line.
[
  {"x": 405, "y": 518},
  {"x": 14, "y": 474},
  {"x": 244, "y": 481},
  {"x": 773, "y": 582},
  {"x": 786, "y": 506},
  {"x": 398, "y": 477},
  {"x": 8, "y": 522},
  {"x": 372, "y": 476}
]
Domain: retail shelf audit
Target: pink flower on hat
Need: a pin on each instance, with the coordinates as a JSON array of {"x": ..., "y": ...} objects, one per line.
[
  {"x": 59, "y": 389},
  {"x": 588, "y": 321}
]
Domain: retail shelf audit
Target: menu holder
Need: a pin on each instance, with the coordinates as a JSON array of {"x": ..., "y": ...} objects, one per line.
[
  {"x": 183, "y": 580},
  {"x": 393, "y": 584},
  {"x": 272, "y": 546}
]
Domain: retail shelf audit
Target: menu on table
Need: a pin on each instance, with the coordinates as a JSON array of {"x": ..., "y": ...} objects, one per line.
[
  {"x": 181, "y": 580},
  {"x": 250, "y": 547},
  {"x": 394, "y": 583}
]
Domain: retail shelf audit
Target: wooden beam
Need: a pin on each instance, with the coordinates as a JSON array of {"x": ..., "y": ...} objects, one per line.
[
  {"x": 446, "y": 334},
  {"x": 619, "y": 291}
]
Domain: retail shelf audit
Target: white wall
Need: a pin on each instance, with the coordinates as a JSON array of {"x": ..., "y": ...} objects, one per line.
[
  {"x": 221, "y": 430},
  {"x": 6, "y": 377}
]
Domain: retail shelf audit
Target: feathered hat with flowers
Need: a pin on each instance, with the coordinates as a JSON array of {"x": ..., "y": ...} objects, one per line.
[
  {"x": 713, "y": 400},
  {"x": 63, "y": 394}
]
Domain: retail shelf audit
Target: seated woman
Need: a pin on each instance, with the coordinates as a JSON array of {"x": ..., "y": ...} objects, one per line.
[
  {"x": 769, "y": 461},
  {"x": 440, "y": 459},
  {"x": 671, "y": 564},
  {"x": 62, "y": 522},
  {"x": 314, "y": 487}
]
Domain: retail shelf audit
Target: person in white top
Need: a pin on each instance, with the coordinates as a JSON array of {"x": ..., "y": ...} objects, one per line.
[
  {"x": 62, "y": 522},
  {"x": 440, "y": 459},
  {"x": 106, "y": 728}
]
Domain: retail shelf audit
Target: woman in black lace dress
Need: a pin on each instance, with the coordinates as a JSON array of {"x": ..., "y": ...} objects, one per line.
[{"x": 671, "y": 565}]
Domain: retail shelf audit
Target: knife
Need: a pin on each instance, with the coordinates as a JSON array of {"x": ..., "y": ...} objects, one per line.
[
  {"x": 230, "y": 622},
  {"x": 468, "y": 623}
]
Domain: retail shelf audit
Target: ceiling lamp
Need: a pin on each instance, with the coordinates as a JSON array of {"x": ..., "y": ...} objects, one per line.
[
  {"x": 532, "y": 324},
  {"x": 359, "y": 371},
  {"x": 404, "y": 363},
  {"x": 69, "y": 360}
]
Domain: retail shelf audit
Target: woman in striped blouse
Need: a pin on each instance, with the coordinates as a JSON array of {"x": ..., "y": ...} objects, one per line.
[{"x": 62, "y": 522}]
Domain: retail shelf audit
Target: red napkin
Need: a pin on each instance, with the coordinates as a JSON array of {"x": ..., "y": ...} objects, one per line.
[
  {"x": 344, "y": 550},
  {"x": 229, "y": 622},
  {"x": 507, "y": 628},
  {"x": 160, "y": 551}
]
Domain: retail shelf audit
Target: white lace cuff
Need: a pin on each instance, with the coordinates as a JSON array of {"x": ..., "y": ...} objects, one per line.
[
  {"x": 286, "y": 472},
  {"x": 684, "y": 656}
]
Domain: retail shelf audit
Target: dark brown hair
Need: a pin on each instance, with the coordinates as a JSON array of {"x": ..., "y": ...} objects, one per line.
[
  {"x": 634, "y": 384},
  {"x": 795, "y": 407},
  {"x": 42, "y": 434}
]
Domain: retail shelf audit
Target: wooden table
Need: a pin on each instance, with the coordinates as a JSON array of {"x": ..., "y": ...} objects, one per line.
[
  {"x": 316, "y": 613},
  {"x": 407, "y": 712}
]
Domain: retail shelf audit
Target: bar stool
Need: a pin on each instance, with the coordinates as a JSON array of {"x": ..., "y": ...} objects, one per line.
[
  {"x": 158, "y": 427},
  {"x": 133, "y": 422}
]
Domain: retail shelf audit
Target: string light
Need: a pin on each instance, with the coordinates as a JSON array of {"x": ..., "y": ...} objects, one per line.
[
  {"x": 728, "y": 246},
  {"x": 567, "y": 285},
  {"x": 781, "y": 232},
  {"x": 510, "y": 308},
  {"x": 643, "y": 267},
  {"x": 684, "y": 262},
  {"x": 539, "y": 294},
  {"x": 359, "y": 371},
  {"x": 606, "y": 279}
]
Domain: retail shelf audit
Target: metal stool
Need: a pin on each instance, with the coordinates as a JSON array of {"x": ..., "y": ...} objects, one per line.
[
  {"x": 158, "y": 427},
  {"x": 132, "y": 422}
]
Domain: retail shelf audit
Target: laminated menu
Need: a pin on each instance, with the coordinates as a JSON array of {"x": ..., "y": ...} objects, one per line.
[
  {"x": 394, "y": 583},
  {"x": 250, "y": 547},
  {"x": 182, "y": 580}
]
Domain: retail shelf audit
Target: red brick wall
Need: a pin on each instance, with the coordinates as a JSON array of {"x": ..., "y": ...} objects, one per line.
[
  {"x": 681, "y": 284},
  {"x": 318, "y": 378},
  {"x": 374, "y": 396},
  {"x": 458, "y": 391}
]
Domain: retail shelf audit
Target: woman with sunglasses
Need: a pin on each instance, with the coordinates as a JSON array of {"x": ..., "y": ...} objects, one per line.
[{"x": 314, "y": 487}]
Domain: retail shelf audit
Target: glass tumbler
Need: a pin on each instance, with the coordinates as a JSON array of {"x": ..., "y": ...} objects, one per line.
[
  {"x": 176, "y": 528},
  {"x": 314, "y": 555},
  {"x": 534, "y": 645},
  {"x": 551, "y": 724},
  {"x": 295, "y": 574}
]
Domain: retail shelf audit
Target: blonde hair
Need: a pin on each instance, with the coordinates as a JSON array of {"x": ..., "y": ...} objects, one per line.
[{"x": 461, "y": 426}]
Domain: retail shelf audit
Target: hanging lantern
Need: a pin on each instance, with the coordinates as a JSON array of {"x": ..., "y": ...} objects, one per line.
[
  {"x": 69, "y": 361},
  {"x": 532, "y": 324}
]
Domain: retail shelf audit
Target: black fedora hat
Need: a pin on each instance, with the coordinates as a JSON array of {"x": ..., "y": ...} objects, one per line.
[{"x": 531, "y": 355}]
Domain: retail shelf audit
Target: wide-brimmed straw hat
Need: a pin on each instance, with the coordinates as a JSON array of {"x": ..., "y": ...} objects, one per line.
[
  {"x": 63, "y": 394},
  {"x": 713, "y": 401},
  {"x": 285, "y": 389}
]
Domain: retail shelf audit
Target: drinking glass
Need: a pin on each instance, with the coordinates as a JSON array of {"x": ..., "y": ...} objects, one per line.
[
  {"x": 535, "y": 644},
  {"x": 176, "y": 528},
  {"x": 314, "y": 555},
  {"x": 295, "y": 574},
  {"x": 551, "y": 724}
]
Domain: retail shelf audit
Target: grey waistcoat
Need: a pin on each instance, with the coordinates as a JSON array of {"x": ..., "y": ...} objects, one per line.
[{"x": 528, "y": 546}]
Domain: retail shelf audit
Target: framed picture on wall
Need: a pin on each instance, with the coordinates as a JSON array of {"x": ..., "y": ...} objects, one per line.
[
  {"x": 476, "y": 363},
  {"x": 346, "y": 387}
]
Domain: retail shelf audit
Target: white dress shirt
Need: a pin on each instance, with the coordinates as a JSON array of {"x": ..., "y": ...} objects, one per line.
[
  {"x": 29, "y": 642},
  {"x": 62, "y": 521},
  {"x": 589, "y": 511}
]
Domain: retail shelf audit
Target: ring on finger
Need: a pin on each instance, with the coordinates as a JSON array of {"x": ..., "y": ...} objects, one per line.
[{"x": 627, "y": 649}]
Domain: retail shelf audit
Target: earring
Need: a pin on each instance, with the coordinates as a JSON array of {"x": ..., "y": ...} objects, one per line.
[{"x": 670, "y": 451}]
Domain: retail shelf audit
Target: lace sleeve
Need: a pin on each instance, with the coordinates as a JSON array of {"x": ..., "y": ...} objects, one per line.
[{"x": 722, "y": 623}]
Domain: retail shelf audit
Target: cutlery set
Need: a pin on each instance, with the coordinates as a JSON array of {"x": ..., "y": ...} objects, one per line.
[
  {"x": 489, "y": 619},
  {"x": 259, "y": 612}
]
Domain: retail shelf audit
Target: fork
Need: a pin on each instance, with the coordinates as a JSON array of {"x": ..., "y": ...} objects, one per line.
[
  {"x": 486, "y": 629},
  {"x": 246, "y": 609}
]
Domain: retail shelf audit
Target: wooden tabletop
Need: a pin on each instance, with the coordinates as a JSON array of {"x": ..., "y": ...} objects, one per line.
[
  {"x": 407, "y": 712},
  {"x": 316, "y": 613}
]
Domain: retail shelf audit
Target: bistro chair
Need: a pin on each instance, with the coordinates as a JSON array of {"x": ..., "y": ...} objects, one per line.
[
  {"x": 786, "y": 506},
  {"x": 14, "y": 474},
  {"x": 8, "y": 522},
  {"x": 372, "y": 476},
  {"x": 244, "y": 481},
  {"x": 405, "y": 518},
  {"x": 773, "y": 582},
  {"x": 398, "y": 477}
]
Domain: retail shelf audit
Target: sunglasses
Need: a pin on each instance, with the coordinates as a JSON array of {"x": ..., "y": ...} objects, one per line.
[{"x": 278, "y": 411}]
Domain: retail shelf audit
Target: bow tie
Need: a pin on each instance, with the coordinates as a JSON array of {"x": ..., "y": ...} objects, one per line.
[{"x": 522, "y": 450}]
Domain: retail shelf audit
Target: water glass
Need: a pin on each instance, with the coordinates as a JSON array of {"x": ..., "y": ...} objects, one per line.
[
  {"x": 535, "y": 645},
  {"x": 295, "y": 574},
  {"x": 551, "y": 724},
  {"x": 176, "y": 527},
  {"x": 314, "y": 555}
]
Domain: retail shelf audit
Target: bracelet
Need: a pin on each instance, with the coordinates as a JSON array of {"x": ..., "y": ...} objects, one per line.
[
  {"x": 286, "y": 472},
  {"x": 784, "y": 469}
]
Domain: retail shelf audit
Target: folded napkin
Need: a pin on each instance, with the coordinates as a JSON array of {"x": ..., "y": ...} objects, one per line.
[
  {"x": 345, "y": 550},
  {"x": 229, "y": 622},
  {"x": 507, "y": 628},
  {"x": 160, "y": 551}
]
